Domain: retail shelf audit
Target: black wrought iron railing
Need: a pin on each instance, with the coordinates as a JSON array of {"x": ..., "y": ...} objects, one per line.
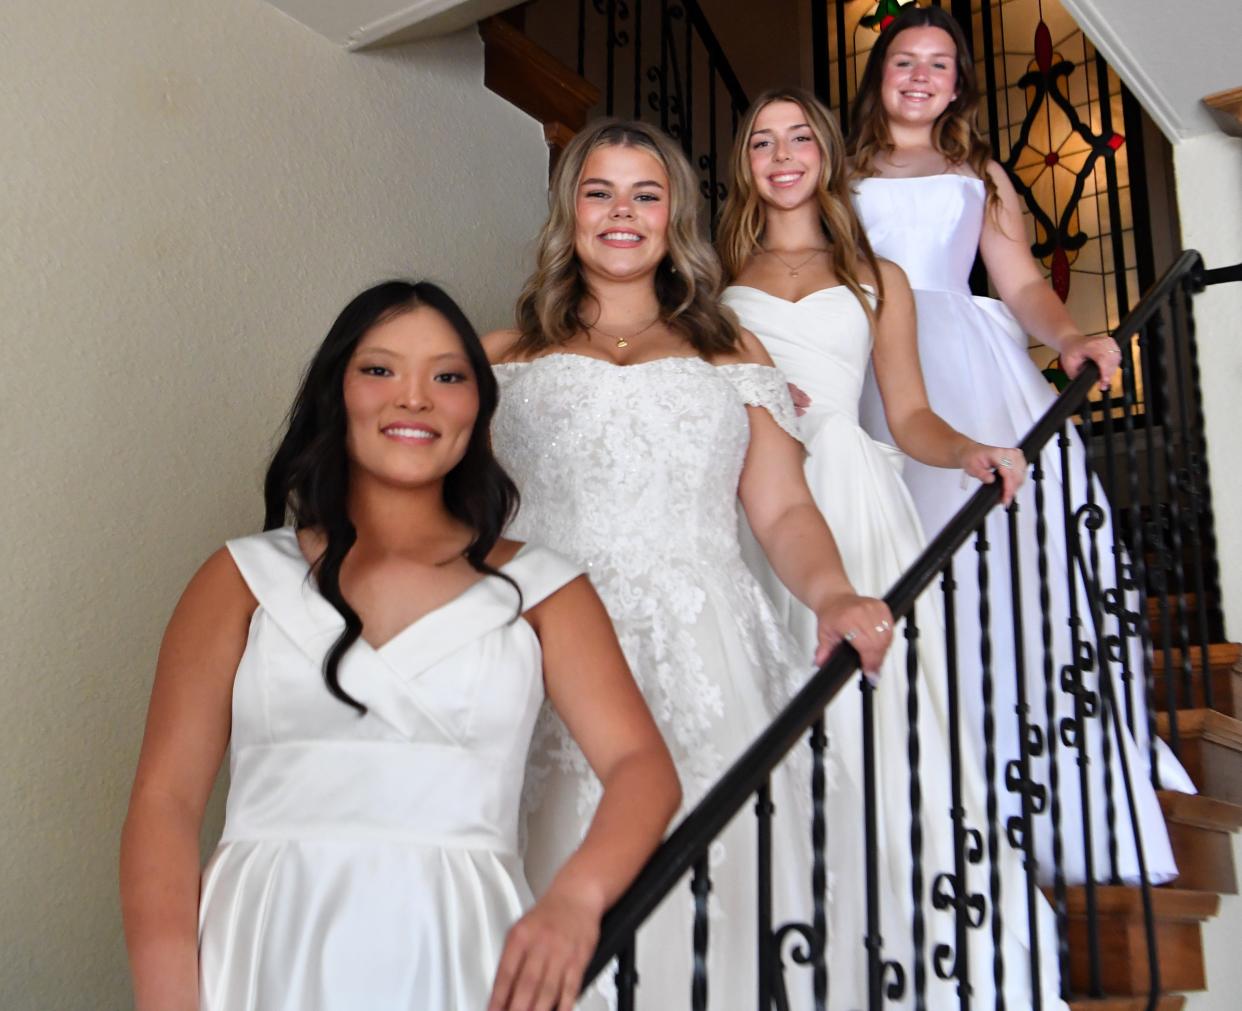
[
  {"x": 1096, "y": 677},
  {"x": 658, "y": 61}
]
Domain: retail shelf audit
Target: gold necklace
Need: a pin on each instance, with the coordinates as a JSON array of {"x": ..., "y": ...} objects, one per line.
[
  {"x": 624, "y": 342},
  {"x": 793, "y": 268}
]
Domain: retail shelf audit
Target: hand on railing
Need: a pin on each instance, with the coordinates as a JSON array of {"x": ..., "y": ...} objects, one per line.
[
  {"x": 1102, "y": 350},
  {"x": 987, "y": 463},
  {"x": 864, "y": 622},
  {"x": 545, "y": 955}
]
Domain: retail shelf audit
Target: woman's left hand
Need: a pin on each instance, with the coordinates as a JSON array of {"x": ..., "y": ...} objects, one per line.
[
  {"x": 801, "y": 399},
  {"x": 987, "y": 463},
  {"x": 1102, "y": 350},
  {"x": 545, "y": 955},
  {"x": 864, "y": 622}
]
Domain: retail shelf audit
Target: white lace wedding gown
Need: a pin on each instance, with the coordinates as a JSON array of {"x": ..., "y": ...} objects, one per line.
[
  {"x": 822, "y": 343},
  {"x": 632, "y": 471},
  {"x": 981, "y": 380}
]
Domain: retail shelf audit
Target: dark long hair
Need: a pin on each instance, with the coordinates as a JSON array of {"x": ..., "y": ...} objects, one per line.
[
  {"x": 308, "y": 479},
  {"x": 956, "y": 133}
]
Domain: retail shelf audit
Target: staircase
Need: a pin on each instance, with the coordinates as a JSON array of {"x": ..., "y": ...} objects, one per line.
[{"x": 1207, "y": 738}]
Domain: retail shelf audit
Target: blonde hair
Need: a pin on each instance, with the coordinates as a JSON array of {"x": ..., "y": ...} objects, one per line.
[
  {"x": 955, "y": 134},
  {"x": 742, "y": 217},
  {"x": 688, "y": 281}
]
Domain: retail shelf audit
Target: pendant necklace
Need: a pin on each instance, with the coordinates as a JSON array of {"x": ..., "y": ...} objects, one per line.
[
  {"x": 624, "y": 342},
  {"x": 793, "y": 268}
]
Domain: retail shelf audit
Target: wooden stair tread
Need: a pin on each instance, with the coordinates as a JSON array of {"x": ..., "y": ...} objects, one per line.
[
  {"x": 1169, "y": 904},
  {"x": 1200, "y": 811},
  {"x": 1166, "y": 1002},
  {"x": 1207, "y": 724},
  {"x": 1221, "y": 656}
]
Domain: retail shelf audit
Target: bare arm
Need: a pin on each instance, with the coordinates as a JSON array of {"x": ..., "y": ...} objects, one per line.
[
  {"x": 590, "y": 686},
  {"x": 797, "y": 542},
  {"x": 918, "y": 430},
  {"x": 188, "y": 726},
  {"x": 1022, "y": 287}
]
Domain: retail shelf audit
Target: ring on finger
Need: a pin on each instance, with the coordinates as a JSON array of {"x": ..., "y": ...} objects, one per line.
[
  {"x": 883, "y": 626},
  {"x": 1006, "y": 462},
  {"x": 851, "y": 635}
]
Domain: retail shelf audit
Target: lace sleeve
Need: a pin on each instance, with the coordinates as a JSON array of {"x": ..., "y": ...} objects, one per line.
[{"x": 766, "y": 387}]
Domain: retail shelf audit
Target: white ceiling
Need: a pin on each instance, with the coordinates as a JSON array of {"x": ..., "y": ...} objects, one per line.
[{"x": 1170, "y": 53}]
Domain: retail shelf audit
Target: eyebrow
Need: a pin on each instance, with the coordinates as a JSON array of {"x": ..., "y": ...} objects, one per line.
[
  {"x": 907, "y": 52},
  {"x": 766, "y": 129},
  {"x": 609, "y": 182}
]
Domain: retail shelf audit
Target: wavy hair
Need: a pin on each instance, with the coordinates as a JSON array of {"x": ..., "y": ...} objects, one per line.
[
  {"x": 742, "y": 218},
  {"x": 955, "y": 134},
  {"x": 308, "y": 478},
  {"x": 688, "y": 280}
]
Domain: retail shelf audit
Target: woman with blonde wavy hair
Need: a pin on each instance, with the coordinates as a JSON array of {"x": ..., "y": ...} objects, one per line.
[
  {"x": 930, "y": 199},
  {"x": 806, "y": 282},
  {"x": 635, "y": 415}
]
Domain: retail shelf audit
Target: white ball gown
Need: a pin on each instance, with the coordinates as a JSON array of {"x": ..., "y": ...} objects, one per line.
[
  {"x": 372, "y": 861},
  {"x": 632, "y": 471},
  {"x": 822, "y": 343},
  {"x": 981, "y": 380}
]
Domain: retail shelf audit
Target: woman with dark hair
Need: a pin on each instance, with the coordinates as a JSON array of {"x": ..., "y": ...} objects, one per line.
[
  {"x": 636, "y": 417},
  {"x": 930, "y": 198},
  {"x": 378, "y": 664}
]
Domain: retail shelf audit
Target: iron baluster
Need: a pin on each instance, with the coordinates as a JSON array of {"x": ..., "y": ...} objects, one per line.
[
  {"x": 700, "y": 887},
  {"x": 581, "y": 38},
  {"x": 918, "y": 926},
  {"x": 1022, "y": 834},
  {"x": 843, "y": 80},
  {"x": 764, "y": 810},
  {"x": 638, "y": 58},
  {"x": 627, "y": 976},
  {"x": 1074, "y": 729},
  {"x": 989, "y": 763},
  {"x": 1050, "y": 726},
  {"x": 819, "y": 867},
  {"x": 611, "y": 57}
]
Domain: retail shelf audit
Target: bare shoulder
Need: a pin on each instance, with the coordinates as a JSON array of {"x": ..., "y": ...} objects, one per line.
[
  {"x": 498, "y": 345},
  {"x": 750, "y": 351},
  {"x": 573, "y": 608},
  {"x": 213, "y": 613},
  {"x": 218, "y": 584},
  {"x": 892, "y": 276},
  {"x": 1000, "y": 178}
]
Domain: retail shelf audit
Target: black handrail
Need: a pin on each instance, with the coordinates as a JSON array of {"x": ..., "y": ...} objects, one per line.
[{"x": 678, "y": 854}]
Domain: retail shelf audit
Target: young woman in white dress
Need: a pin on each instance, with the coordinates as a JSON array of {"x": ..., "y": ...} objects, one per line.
[
  {"x": 804, "y": 280},
  {"x": 379, "y": 665},
  {"x": 929, "y": 198},
  {"x": 635, "y": 415}
]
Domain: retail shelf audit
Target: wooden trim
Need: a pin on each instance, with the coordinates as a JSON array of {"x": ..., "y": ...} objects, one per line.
[
  {"x": 1226, "y": 109},
  {"x": 1200, "y": 811},
  {"x": 519, "y": 71}
]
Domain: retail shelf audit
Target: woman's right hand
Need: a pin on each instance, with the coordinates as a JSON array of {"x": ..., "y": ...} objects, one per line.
[
  {"x": 546, "y": 953},
  {"x": 864, "y": 622}
]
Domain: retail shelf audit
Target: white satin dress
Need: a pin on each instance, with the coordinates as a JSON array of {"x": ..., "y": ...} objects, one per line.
[
  {"x": 981, "y": 380},
  {"x": 371, "y": 861},
  {"x": 822, "y": 343}
]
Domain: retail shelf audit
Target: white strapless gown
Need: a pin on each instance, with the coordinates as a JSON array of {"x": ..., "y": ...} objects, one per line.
[
  {"x": 822, "y": 343},
  {"x": 372, "y": 861},
  {"x": 981, "y": 380}
]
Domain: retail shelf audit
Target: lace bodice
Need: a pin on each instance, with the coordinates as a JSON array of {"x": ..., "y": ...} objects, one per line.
[
  {"x": 632, "y": 471},
  {"x": 602, "y": 476}
]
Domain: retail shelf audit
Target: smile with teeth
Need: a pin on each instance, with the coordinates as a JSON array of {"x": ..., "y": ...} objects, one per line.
[
  {"x": 917, "y": 95},
  {"x": 618, "y": 236},
  {"x": 407, "y": 432},
  {"x": 785, "y": 178}
]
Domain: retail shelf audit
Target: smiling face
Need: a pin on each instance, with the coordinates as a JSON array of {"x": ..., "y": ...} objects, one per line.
[
  {"x": 621, "y": 213},
  {"x": 920, "y": 76},
  {"x": 411, "y": 400},
  {"x": 784, "y": 156}
]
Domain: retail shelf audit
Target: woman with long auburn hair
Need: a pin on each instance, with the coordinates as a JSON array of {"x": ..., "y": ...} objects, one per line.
[
  {"x": 635, "y": 416},
  {"x": 805, "y": 281},
  {"x": 930, "y": 199},
  {"x": 374, "y": 662}
]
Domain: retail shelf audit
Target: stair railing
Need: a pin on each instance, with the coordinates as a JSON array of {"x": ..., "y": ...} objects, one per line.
[
  {"x": 1111, "y": 643},
  {"x": 660, "y": 61}
]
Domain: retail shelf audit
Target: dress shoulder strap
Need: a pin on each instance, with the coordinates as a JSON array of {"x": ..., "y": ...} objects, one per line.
[
  {"x": 766, "y": 387},
  {"x": 540, "y": 572},
  {"x": 269, "y": 561}
]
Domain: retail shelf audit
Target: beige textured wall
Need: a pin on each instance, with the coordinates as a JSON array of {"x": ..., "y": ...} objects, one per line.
[
  {"x": 189, "y": 192},
  {"x": 1209, "y": 194}
]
